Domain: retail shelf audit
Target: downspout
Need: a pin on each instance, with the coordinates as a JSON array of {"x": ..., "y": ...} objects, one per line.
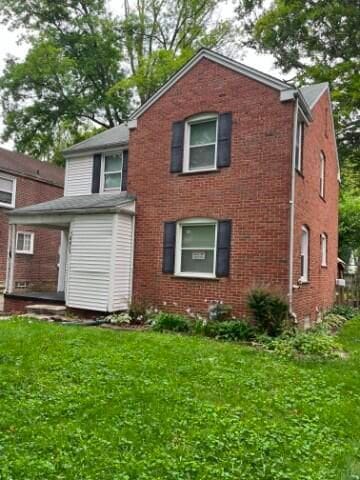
[{"x": 292, "y": 207}]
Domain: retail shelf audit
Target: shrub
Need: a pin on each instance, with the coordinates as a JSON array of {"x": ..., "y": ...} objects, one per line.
[
  {"x": 172, "y": 322},
  {"x": 333, "y": 321},
  {"x": 312, "y": 344},
  {"x": 269, "y": 310},
  {"x": 346, "y": 311},
  {"x": 231, "y": 330}
]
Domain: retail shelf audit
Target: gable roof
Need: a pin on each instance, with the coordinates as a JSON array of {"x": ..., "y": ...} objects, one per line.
[
  {"x": 113, "y": 137},
  {"x": 312, "y": 93},
  {"x": 19, "y": 164},
  {"x": 238, "y": 67}
]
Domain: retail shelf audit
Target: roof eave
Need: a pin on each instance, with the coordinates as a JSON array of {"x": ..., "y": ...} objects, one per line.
[{"x": 69, "y": 152}]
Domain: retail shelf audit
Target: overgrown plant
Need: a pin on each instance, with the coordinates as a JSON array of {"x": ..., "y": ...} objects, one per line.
[
  {"x": 171, "y": 322},
  {"x": 269, "y": 310},
  {"x": 231, "y": 330}
]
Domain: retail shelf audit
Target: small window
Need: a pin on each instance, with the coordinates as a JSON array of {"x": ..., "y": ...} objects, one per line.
[
  {"x": 299, "y": 146},
  {"x": 322, "y": 175},
  {"x": 25, "y": 242},
  {"x": 200, "y": 144},
  {"x": 7, "y": 192},
  {"x": 196, "y": 248},
  {"x": 112, "y": 166},
  {"x": 304, "y": 255},
  {"x": 323, "y": 246}
]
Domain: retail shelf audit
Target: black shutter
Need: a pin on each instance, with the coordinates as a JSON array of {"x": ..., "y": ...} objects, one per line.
[
  {"x": 223, "y": 248},
  {"x": 177, "y": 147},
  {"x": 169, "y": 247},
  {"x": 96, "y": 173},
  {"x": 124, "y": 171},
  {"x": 224, "y": 140}
]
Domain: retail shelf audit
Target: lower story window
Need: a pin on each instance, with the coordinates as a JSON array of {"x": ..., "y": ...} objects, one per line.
[
  {"x": 196, "y": 247},
  {"x": 25, "y": 242},
  {"x": 323, "y": 246}
]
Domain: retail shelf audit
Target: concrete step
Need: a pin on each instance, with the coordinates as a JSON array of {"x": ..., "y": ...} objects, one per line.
[{"x": 45, "y": 309}]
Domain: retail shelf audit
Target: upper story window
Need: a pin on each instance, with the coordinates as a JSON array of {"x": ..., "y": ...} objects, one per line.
[
  {"x": 25, "y": 242},
  {"x": 112, "y": 167},
  {"x": 304, "y": 254},
  {"x": 322, "y": 174},
  {"x": 200, "y": 143},
  {"x": 323, "y": 247},
  {"x": 196, "y": 248},
  {"x": 299, "y": 146},
  {"x": 7, "y": 191}
]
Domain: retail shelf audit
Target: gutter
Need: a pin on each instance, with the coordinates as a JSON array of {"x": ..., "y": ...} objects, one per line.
[{"x": 292, "y": 207}]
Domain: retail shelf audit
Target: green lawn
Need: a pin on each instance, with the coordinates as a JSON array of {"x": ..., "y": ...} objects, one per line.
[{"x": 78, "y": 403}]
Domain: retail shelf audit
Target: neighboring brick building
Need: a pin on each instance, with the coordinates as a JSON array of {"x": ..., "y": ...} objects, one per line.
[
  {"x": 233, "y": 178},
  {"x": 24, "y": 181}
]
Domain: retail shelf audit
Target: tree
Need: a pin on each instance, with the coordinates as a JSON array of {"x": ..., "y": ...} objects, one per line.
[
  {"x": 161, "y": 35},
  {"x": 349, "y": 225},
  {"x": 84, "y": 65},
  {"x": 319, "y": 41},
  {"x": 63, "y": 88}
]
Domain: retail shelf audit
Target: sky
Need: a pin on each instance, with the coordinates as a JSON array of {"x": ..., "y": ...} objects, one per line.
[{"x": 9, "y": 45}]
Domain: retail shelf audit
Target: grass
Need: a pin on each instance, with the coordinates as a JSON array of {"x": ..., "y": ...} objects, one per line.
[{"x": 90, "y": 404}]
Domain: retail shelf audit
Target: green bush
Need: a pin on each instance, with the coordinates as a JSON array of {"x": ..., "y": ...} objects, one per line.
[
  {"x": 344, "y": 310},
  {"x": 333, "y": 321},
  {"x": 316, "y": 344},
  {"x": 171, "y": 322},
  {"x": 231, "y": 330},
  {"x": 269, "y": 310}
]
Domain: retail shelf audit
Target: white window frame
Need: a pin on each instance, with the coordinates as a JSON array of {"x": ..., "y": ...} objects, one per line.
[
  {"x": 299, "y": 142},
  {"x": 193, "y": 121},
  {"x": 13, "y": 192},
  {"x": 323, "y": 248},
  {"x": 102, "y": 172},
  {"x": 178, "y": 246},
  {"x": 31, "y": 250},
  {"x": 304, "y": 252},
  {"x": 322, "y": 174}
]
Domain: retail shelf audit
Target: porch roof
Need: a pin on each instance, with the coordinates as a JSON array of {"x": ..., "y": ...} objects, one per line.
[{"x": 77, "y": 204}]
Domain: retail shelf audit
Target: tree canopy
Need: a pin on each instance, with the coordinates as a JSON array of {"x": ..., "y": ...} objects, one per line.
[{"x": 86, "y": 69}]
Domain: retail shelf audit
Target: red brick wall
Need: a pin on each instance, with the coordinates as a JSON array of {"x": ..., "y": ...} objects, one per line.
[
  {"x": 40, "y": 268},
  {"x": 319, "y": 215},
  {"x": 254, "y": 191}
]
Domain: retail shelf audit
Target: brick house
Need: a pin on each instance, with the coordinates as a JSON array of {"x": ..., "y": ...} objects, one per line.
[
  {"x": 224, "y": 180},
  {"x": 24, "y": 181}
]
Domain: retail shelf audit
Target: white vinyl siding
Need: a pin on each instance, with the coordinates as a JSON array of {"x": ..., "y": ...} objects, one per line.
[
  {"x": 78, "y": 176},
  {"x": 89, "y": 260},
  {"x": 123, "y": 262},
  {"x": 100, "y": 259}
]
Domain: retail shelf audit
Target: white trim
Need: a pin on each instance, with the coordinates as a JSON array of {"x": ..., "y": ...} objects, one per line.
[
  {"x": 323, "y": 249},
  {"x": 102, "y": 171},
  {"x": 13, "y": 192},
  {"x": 219, "y": 59},
  {"x": 10, "y": 263},
  {"x": 198, "y": 119},
  {"x": 31, "y": 249},
  {"x": 322, "y": 174},
  {"x": 178, "y": 246},
  {"x": 132, "y": 124},
  {"x": 304, "y": 252}
]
